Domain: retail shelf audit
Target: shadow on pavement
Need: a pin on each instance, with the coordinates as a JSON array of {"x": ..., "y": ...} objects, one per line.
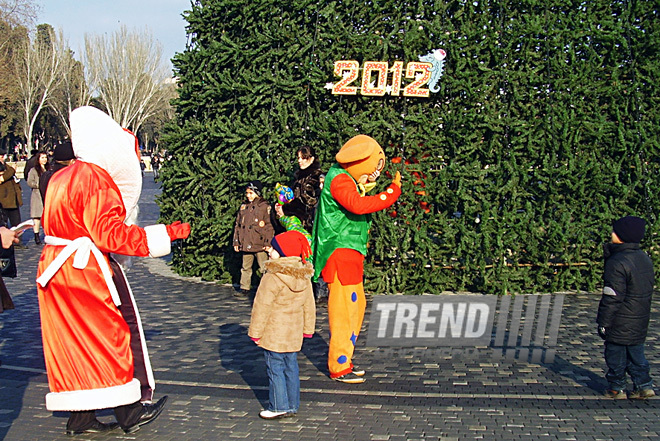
[
  {"x": 580, "y": 375},
  {"x": 18, "y": 349},
  {"x": 239, "y": 354},
  {"x": 316, "y": 350}
]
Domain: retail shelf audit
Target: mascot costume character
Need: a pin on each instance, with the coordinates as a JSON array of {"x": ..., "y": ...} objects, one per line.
[
  {"x": 340, "y": 235},
  {"x": 94, "y": 346}
]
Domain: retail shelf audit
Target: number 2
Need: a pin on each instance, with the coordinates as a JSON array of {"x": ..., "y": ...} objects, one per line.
[
  {"x": 353, "y": 68},
  {"x": 414, "y": 88}
]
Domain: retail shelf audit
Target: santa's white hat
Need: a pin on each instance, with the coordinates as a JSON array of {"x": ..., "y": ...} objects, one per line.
[{"x": 99, "y": 140}]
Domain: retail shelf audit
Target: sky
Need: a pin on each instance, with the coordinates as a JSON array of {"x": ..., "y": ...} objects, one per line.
[{"x": 78, "y": 17}]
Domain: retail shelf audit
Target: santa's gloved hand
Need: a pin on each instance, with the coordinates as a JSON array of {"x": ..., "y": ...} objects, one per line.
[
  {"x": 397, "y": 179},
  {"x": 178, "y": 230}
]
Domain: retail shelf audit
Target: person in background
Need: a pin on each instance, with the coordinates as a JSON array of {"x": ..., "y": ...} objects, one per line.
[
  {"x": 62, "y": 157},
  {"x": 625, "y": 309},
  {"x": 11, "y": 196},
  {"x": 36, "y": 201},
  {"x": 30, "y": 162},
  {"x": 252, "y": 233},
  {"x": 155, "y": 165},
  {"x": 282, "y": 315},
  {"x": 306, "y": 188}
]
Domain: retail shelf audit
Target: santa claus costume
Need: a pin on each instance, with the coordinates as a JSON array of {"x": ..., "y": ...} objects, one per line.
[
  {"x": 94, "y": 346},
  {"x": 340, "y": 235}
]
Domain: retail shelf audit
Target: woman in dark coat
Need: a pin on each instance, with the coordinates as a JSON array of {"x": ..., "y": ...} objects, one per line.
[{"x": 306, "y": 188}]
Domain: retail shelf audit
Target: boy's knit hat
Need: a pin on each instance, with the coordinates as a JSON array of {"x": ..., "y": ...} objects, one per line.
[
  {"x": 255, "y": 186},
  {"x": 292, "y": 243},
  {"x": 630, "y": 229}
]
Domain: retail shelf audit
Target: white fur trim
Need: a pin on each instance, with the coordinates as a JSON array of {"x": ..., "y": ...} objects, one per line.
[
  {"x": 158, "y": 240},
  {"x": 91, "y": 399},
  {"x": 143, "y": 340}
]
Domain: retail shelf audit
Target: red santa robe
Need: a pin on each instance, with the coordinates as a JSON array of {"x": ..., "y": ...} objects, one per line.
[{"x": 87, "y": 341}]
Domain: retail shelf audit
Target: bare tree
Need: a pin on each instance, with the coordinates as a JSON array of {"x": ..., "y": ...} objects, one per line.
[
  {"x": 127, "y": 73},
  {"x": 150, "y": 131},
  {"x": 16, "y": 18},
  {"x": 18, "y": 12},
  {"x": 72, "y": 92},
  {"x": 38, "y": 74}
]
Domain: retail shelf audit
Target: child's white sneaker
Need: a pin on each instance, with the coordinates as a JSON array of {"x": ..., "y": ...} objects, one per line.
[{"x": 270, "y": 415}]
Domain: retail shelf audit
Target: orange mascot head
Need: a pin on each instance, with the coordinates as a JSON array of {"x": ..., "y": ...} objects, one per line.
[{"x": 362, "y": 157}]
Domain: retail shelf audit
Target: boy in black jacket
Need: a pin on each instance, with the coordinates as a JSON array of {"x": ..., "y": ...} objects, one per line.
[{"x": 625, "y": 308}]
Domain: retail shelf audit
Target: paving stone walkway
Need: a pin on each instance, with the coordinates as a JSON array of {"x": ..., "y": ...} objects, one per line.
[{"x": 216, "y": 378}]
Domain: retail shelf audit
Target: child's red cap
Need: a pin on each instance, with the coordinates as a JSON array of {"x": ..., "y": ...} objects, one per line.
[{"x": 292, "y": 243}]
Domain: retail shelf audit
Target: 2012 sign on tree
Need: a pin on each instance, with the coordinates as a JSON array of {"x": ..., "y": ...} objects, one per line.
[{"x": 375, "y": 75}]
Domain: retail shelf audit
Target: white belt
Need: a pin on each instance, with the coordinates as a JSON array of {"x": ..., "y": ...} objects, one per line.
[{"x": 82, "y": 247}]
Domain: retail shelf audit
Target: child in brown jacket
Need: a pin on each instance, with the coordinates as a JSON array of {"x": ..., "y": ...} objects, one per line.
[
  {"x": 252, "y": 233},
  {"x": 283, "y": 313}
]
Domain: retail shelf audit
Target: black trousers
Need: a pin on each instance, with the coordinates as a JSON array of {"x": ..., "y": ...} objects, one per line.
[
  {"x": 128, "y": 312},
  {"x": 127, "y": 416},
  {"x": 13, "y": 215}
]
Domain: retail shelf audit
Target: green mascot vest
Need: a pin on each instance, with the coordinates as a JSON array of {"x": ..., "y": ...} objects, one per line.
[{"x": 335, "y": 227}]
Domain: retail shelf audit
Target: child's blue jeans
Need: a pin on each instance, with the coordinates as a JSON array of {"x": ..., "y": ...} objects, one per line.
[
  {"x": 283, "y": 381},
  {"x": 627, "y": 358}
]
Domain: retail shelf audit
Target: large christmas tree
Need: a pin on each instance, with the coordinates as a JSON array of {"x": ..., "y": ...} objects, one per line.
[{"x": 544, "y": 129}]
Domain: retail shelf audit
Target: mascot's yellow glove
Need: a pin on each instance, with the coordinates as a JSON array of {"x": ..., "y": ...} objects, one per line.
[
  {"x": 397, "y": 179},
  {"x": 363, "y": 189}
]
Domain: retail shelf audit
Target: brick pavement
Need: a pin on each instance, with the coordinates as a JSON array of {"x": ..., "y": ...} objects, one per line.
[{"x": 217, "y": 384}]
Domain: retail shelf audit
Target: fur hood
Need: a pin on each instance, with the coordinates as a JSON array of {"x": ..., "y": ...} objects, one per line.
[{"x": 291, "y": 271}]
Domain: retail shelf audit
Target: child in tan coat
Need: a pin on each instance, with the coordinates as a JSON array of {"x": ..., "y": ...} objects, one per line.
[{"x": 283, "y": 313}]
